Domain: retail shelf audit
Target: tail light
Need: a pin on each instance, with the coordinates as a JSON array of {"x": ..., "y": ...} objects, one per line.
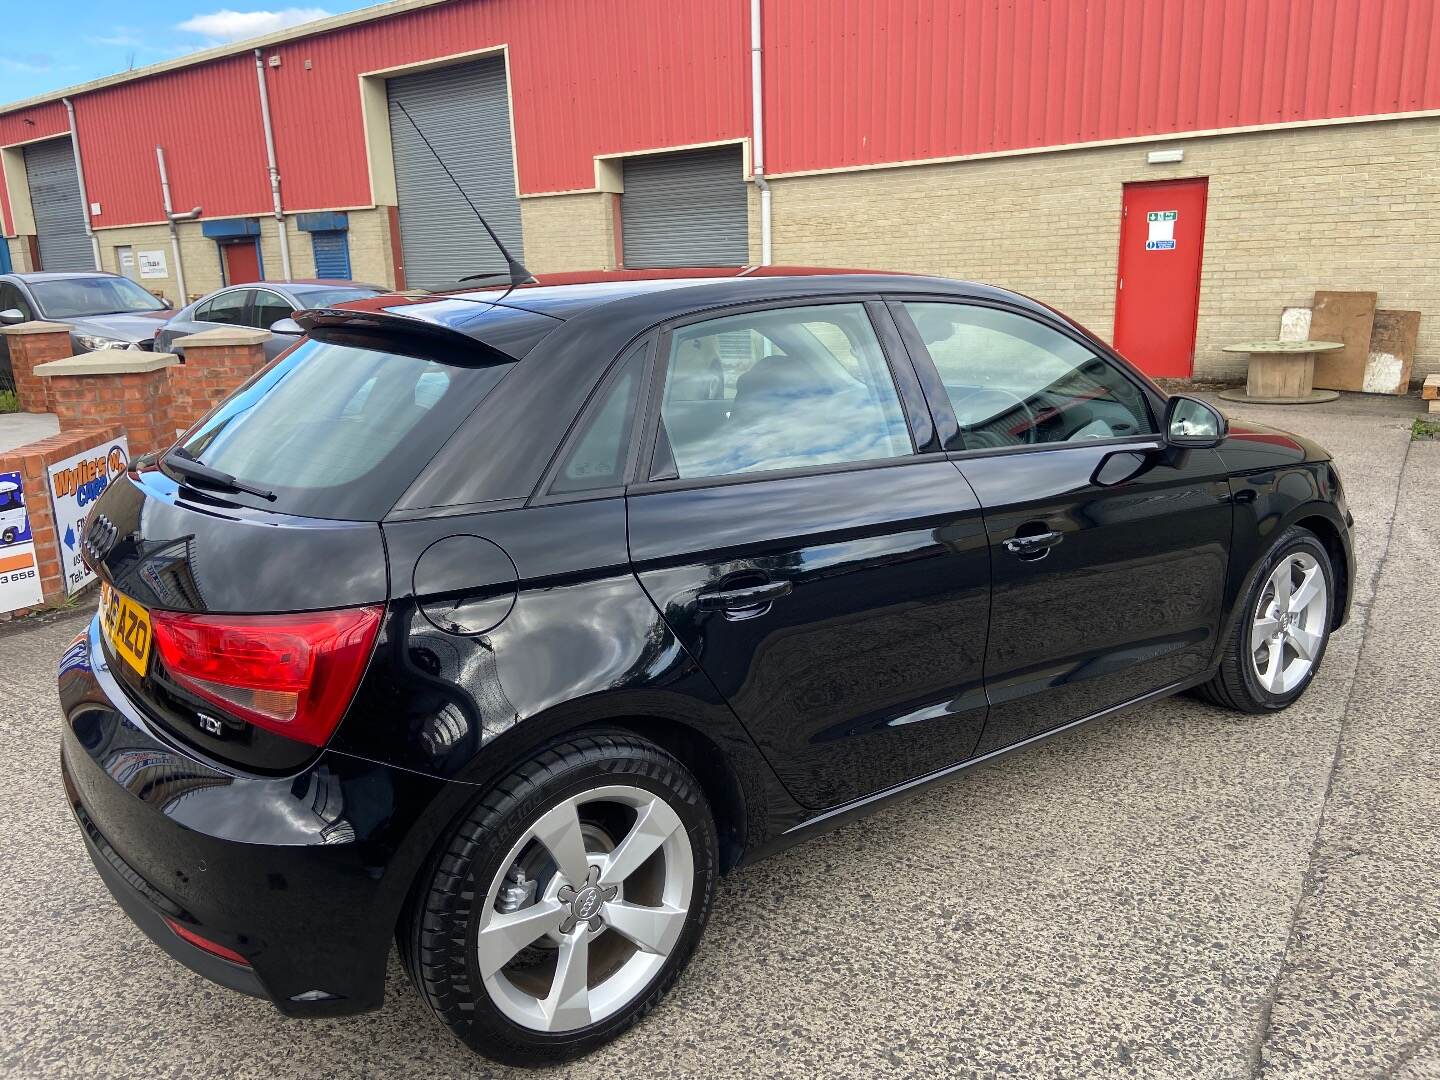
[{"x": 290, "y": 674}]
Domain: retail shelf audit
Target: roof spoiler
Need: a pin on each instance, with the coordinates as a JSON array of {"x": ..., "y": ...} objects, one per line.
[{"x": 388, "y": 322}]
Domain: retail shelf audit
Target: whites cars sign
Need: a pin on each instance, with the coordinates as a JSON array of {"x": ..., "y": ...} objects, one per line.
[{"x": 75, "y": 484}]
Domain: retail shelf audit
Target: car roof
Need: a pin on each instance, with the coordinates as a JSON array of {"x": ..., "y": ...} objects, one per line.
[
  {"x": 667, "y": 293},
  {"x": 58, "y": 275}
]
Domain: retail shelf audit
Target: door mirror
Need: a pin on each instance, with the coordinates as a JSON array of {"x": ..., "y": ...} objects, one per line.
[
  {"x": 286, "y": 326},
  {"x": 11, "y": 316},
  {"x": 1191, "y": 422}
]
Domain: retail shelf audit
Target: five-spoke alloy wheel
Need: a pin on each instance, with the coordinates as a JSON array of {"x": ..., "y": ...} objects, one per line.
[
  {"x": 566, "y": 902},
  {"x": 1279, "y": 636}
]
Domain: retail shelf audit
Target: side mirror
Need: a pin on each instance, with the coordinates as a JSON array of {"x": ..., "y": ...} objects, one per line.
[
  {"x": 11, "y": 316},
  {"x": 1192, "y": 423},
  {"x": 286, "y": 326}
]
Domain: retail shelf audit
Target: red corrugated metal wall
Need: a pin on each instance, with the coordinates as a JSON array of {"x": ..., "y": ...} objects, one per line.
[
  {"x": 207, "y": 119},
  {"x": 856, "y": 82},
  {"x": 848, "y": 82}
]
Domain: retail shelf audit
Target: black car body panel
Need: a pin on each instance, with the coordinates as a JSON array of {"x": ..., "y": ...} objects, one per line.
[
  {"x": 303, "y": 875},
  {"x": 897, "y": 637}
]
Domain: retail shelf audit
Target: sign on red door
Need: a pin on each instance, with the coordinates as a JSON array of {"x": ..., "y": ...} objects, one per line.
[{"x": 1162, "y": 240}]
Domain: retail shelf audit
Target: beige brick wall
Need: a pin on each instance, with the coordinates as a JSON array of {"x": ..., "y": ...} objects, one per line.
[
  {"x": 1351, "y": 206},
  {"x": 369, "y": 252},
  {"x": 568, "y": 232}
]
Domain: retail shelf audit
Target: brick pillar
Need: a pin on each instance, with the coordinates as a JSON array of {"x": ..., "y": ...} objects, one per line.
[
  {"x": 33, "y": 343},
  {"x": 212, "y": 365},
  {"x": 32, "y": 461},
  {"x": 126, "y": 390}
]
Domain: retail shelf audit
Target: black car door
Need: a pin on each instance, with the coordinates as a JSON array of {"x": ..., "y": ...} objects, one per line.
[
  {"x": 1108, "y": 548},
  {"x": 831, "y": 581}
]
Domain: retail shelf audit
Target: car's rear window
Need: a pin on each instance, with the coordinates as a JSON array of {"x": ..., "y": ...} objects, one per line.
[{"x": 340, "y": 426}]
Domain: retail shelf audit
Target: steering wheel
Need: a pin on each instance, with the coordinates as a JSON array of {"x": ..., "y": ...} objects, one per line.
[{"x": 1031, "y": 420}]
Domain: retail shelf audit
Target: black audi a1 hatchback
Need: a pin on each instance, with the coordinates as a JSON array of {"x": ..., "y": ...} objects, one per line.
[{"x": 500, "y": 623}]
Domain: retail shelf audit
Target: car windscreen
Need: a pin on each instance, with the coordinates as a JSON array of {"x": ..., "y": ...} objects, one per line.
[
  {"x": 339, "y": 427},
  {"x": 77, "y": 297},
  {"x": 316, "y": 298}
]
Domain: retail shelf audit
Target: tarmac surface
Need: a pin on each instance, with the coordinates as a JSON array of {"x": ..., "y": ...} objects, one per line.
[{"x": 1176, "y": 891}]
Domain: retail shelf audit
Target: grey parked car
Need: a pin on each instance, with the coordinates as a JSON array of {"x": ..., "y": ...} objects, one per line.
[
  {"x": 265, "y": 305},
  {"x": 105, "y": 311}
]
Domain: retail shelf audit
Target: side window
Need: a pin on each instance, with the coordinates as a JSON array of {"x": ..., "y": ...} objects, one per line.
[
  {"x": 269, "y": 308},
  {"x": 11, "y": 297},
  {"x": 227, "y": 308},
  {"x": 597, "y": 458},
  {"x": 1013, "y": 381},
  {"x": 781, "y": 389}
]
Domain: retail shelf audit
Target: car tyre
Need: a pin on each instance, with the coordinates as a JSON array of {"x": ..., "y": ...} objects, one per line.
[
  {"x": 1279, "y": 638},
  {"x": 8, "y": 536},
  {"x": 504, "y": 861}
]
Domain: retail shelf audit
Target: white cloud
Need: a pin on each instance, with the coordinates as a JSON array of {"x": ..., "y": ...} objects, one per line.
[{"x": 228, "y": 25}]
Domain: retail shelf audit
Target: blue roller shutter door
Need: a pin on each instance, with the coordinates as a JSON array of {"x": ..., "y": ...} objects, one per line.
[{"x": 332, "y": 254}]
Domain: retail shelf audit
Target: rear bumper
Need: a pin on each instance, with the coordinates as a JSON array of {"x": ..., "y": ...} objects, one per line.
[{"x": 304, "y": 876}]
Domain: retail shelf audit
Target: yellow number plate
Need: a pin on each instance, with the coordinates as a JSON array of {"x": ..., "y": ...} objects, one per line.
[{"x": 126, "y": 626}]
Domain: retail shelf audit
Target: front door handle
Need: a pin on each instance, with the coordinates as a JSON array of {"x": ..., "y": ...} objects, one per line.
[
  {"x": 1033, "y": 547},
  {"x": 751, "y": 596}
]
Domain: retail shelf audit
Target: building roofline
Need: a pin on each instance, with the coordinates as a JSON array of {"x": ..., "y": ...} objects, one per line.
[{"x": 221, "y": 52}]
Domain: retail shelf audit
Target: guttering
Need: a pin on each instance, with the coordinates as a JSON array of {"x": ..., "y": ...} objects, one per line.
[
  {"x": 270, "y": 161},
  {"x": 172, "y": 218},
  {"x": 80, "y": 179},
  {"x": 757, "y": 132}
]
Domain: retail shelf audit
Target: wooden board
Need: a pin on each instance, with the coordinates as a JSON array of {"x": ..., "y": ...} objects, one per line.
[
  {"x": 1347, "y": 317},
  {"x": 1295, "y": 324},
  {"x": 1392, "y": 352}
]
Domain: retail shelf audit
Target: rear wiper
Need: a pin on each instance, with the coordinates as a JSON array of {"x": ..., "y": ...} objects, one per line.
[{"x": 205, "y": 476}]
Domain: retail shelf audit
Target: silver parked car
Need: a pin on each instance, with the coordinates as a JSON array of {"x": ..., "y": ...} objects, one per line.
[
  {"x": 261, "y": 305},
  {"x": 105, "y": 311}
]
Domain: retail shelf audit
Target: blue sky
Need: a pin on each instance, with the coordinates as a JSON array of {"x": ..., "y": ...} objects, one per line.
[{"x": 45, "y": 46}]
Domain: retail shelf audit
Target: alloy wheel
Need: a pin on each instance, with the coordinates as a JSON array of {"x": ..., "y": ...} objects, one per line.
[
  {"x": 586, "y": 908},
  {"x": 1289, "y": 625}
]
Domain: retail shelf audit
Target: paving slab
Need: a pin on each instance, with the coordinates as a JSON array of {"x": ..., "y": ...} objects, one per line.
[
  {"x": 17, "y": 429},
  {"x": 1139, "y": 898}
]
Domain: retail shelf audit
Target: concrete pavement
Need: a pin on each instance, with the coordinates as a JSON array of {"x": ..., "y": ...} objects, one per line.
[{"x": 1178, "y": 891}]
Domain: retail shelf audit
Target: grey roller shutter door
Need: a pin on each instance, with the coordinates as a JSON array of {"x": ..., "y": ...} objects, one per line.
[
  {"x": 687, "y": 208},
  {"x": 465, "y": 113},
  {"x": 59, "y": 212}
]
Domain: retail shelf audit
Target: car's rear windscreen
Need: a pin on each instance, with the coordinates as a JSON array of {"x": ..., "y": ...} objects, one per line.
[{"x": 339, "y": 427}]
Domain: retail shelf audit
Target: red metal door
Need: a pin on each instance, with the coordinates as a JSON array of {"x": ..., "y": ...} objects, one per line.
[
  {"x": 242, "y": 262},
  {"x": 1162, "y": 239}
]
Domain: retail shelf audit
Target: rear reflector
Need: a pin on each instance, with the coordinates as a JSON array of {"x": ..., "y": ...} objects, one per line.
[
  {"x": 213, "y": 948},
  {"x": 290, "y": 674}
]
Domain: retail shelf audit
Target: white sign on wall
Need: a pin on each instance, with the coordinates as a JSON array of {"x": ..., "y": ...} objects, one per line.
[
  {"x": 75, "y": 484},
  {"x": 152, "y": 264},
  {"x": 1162, "y": 230},
  {"x": 19, "y": 569}
]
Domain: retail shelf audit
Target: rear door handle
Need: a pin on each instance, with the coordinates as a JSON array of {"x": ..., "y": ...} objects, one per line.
[
  {"x": 1033, "y": 547},
  {"x": 752, "y": 596}
]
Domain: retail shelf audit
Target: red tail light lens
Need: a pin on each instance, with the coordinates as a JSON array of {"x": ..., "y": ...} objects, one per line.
[{"x": 290, "y": 674}]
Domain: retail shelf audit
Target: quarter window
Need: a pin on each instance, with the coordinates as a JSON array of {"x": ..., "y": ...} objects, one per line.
[
  {"x": 780, "y": 389},
  {"x": 597, "y": 458},
  {"x": 1013, "y": 381}
]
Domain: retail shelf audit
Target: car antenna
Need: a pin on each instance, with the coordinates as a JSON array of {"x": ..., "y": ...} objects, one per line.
[{"x": 517, "y": 273}]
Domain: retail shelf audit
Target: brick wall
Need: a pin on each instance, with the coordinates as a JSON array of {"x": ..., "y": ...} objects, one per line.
[
  {"x": 137, "y": 403},
  {"x": 32, "y": 461},
  {"x": 1350, "y": 206},
  {"x": 210, "y": 372},
  {"x": 568, "y": 232},
  {"x": 31, "y": 344}
]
